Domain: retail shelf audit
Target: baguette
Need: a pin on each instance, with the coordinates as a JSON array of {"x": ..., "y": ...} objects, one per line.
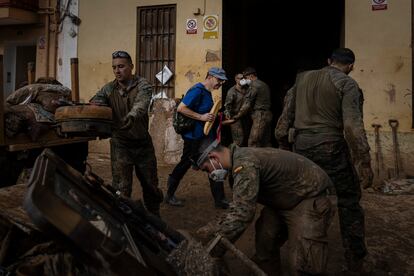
[{"x": 214, "y": 110}]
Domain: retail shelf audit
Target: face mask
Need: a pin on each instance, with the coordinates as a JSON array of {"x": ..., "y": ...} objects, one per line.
[
  {"x": 244, "y": 82},
  {"x": 218, "y": 175}
]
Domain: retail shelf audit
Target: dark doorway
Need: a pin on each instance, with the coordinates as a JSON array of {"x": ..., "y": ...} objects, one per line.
[
  {"x": 24, "y": 55},
  {"x": 279, "y": 38}
]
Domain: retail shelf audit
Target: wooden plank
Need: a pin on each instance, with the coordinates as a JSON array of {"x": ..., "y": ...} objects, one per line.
[
  {"x": 50, "y": 139},
  {"x": 2, "y": 130}
]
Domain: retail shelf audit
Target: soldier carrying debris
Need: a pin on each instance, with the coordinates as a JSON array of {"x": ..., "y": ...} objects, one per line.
[
  {"x": 129, "y": 97},
  {"x": 292, "y": 190}
]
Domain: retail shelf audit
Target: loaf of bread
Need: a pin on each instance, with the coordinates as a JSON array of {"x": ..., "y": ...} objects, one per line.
[{"x": 214, "y": 110}]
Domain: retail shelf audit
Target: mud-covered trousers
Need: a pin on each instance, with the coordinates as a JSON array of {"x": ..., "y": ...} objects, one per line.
[
  {"x": 305, "y": 227},
  {"x": 260, "y": 133},
  {"x": 238, "y": 132},
  {"x": 332, "y": 155},
  {"x": 139, "y": 155}
]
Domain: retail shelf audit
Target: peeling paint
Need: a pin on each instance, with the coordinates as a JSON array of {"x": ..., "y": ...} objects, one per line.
[
  {"x": 190, "y": 76},
  {"x": 167, "y": 144},
  {"x": 391, "y": 92},
  {"x": 399, "y": 64},
  {"x": 212, "y": 56}
]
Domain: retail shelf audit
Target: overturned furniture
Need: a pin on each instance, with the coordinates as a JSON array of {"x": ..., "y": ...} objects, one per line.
[{"x": 118, "y": 234}]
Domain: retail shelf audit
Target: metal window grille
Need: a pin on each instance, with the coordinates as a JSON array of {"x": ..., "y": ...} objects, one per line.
[{"x": 156, "y": 30}]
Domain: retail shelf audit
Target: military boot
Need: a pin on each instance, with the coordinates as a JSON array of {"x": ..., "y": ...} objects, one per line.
[
  {"x": 170, "y": 198},
  {"x": 217, "y": 190}
]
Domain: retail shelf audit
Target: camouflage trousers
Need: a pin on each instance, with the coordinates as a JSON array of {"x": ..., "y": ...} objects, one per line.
[
  {"x": 305, "y": 227},
  {"x": 138, "y": 155},
  {"x": 238, "y": 133},
  {"x": 260, "y": 133},
  {"x": 333, "y": 156}
]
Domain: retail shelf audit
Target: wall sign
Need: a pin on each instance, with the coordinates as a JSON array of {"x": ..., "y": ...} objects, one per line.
[
  {"x": 191, "y": 26},
  {"x": 210, "y": 27},
  {"x": 379, "y": 5}
]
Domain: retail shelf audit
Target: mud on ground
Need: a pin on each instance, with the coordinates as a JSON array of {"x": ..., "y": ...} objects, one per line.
[{"x": 389, "y": 222}]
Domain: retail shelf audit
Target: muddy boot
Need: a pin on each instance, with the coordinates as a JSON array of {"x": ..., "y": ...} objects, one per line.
[
  {"x": 170, "y": 197},
  {"x": 217, "y": 190},
  {"x": 270, "y": 267}
]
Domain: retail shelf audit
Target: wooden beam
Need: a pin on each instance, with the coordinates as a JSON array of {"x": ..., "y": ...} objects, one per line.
[
  {"x": 49, "y": 139},
  {"x": 2, "y": 130},
  {"x": 74, "y": 70},
  {"x": 31, "y": 72}
]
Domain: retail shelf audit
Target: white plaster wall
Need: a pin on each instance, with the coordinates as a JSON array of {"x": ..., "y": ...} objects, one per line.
[
  {"x": 67, "y": 44},
  {"x": 382, "y": 41}
]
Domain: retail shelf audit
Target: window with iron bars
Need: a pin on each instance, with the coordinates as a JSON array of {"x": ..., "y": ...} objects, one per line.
[{"x": 156, "y": 30}]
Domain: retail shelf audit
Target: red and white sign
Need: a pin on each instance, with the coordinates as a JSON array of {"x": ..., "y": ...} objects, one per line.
[
  {"x": 191, "y": 26},
  {"x": 379, "y": 5}
]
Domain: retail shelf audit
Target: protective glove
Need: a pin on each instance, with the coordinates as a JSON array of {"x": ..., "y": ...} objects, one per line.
[{"x": 127, "y": 122}]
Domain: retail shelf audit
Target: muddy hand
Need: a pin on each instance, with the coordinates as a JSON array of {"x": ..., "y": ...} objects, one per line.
[
  {"x": 208, "y": 117},
  {"x": 205, "y": 233},
  {"x": 228, "y": 122},
  {"x": 127, "y": 123},
  {"x": 366, "y": 176}
]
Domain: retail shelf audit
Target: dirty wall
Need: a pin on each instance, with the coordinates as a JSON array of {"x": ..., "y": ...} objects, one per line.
[
  {"x": 382, "y": 41},
  {"x": 109, "y": 25}
]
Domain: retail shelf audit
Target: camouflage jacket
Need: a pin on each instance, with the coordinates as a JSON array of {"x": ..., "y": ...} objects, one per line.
[
  {"x": 234, "y": 101},
  {"x": 257, "y": 99},
  {"x": 275, "y": 178},
  {"x": 329, "y": 100},
  {"x": 133, "y": 101}
]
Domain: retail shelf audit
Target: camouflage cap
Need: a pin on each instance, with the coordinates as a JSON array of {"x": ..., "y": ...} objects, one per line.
[{"x": 206, "y": 146}]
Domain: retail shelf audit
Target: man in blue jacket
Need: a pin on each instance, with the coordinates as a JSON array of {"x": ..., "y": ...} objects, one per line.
[{"x": 197, "y": 104}]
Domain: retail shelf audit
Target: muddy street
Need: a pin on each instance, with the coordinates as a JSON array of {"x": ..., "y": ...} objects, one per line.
[{"x": 389, "y": 222}]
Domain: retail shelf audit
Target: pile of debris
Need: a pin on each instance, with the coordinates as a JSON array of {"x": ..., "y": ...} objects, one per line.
[
  {"x": 65, "y": 223},
  {"x": 31, "y": 109}
]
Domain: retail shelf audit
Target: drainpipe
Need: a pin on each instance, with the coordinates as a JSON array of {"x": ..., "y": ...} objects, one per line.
[
  {"x": 55, "y": 37},
  {"x": 74, "y": 70},
  {"x": 412, "y": 63},
  {"x": 47, "y": 37}
]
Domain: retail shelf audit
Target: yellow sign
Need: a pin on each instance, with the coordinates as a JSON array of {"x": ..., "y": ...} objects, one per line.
[{"x": 210, "y": 27}]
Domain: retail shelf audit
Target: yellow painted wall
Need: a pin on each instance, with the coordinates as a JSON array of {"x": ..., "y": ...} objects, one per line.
[
  {"x": 381, "y": 41},
  {"x": 109, "y": 25}
]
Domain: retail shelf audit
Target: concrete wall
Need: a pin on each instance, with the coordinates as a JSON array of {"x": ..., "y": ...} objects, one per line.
[
  {"x": 382, "y": 44},
  {"x": 109, "y": 25}
]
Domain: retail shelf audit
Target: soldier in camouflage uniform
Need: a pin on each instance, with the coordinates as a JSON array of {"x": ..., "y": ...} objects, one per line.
[
  {"x": 258, "y": 103},
  {"x": 292, "y": 190},
  {"x": 129, "y": 97},
  {"x": 325, "y": 108},
  {"x": 234, "y": 101}
]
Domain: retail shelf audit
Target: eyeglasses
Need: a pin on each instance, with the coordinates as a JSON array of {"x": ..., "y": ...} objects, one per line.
[
  {"x": 220, "y": 81},
  {"x": 121, "y": 54}
]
